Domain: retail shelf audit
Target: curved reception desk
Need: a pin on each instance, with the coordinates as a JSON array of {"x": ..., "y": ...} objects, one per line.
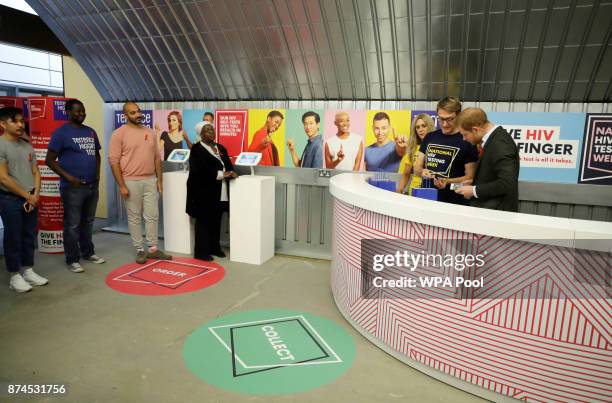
[{"x": 522, "y": 309}]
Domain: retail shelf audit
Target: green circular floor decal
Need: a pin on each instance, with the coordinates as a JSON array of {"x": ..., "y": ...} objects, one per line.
[{"x": 269, "y": 352}]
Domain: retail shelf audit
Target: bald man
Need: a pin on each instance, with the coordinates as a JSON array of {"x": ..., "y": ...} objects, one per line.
[
  {"x": 345, "y": 149},
  {"x": 134, "y": 158},
  {"x": 495, "y": 183}
]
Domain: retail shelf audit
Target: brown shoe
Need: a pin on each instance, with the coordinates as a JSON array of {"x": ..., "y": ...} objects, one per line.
[{"x": 159, "y": 255}]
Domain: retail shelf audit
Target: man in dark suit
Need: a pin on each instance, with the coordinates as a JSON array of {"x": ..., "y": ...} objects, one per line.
[{"x": 495, "y": 183}]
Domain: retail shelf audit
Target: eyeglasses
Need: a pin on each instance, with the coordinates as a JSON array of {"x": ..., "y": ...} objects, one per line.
[{"x": 446, "y": 120}]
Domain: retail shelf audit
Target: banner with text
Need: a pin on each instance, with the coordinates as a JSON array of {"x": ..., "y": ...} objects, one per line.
[
  {"x": 46, "y": 115},
  {"x": 231, "y": 130},
  {"x": 549, "y": 143},
  {"x": 596, "y": 162}
]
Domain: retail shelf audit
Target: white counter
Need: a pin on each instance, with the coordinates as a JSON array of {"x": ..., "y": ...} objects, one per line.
[
  {"x": 354, "y": 189},
  {"x": 539, "y": 330}
]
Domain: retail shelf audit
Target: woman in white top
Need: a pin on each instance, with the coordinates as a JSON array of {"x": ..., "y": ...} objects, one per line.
[{"x": 345, "y": 149}]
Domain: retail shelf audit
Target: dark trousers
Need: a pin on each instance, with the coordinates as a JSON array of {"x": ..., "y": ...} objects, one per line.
[
  {"x": 208, "y": 231},
  {"x": 19, "y": 232},
  {"x": 79, "y": 212}
]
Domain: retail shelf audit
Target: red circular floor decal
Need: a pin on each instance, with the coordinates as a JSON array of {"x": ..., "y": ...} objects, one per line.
[{"x": 165, "y": 277}]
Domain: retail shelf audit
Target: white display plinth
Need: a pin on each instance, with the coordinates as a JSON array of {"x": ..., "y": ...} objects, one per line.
[
  {"x": 252, "y": 219},
  {"x": 178, "y": 231}
]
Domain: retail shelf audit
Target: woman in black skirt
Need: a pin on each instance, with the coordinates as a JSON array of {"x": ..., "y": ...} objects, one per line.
[{"x": 208, "y": 191}]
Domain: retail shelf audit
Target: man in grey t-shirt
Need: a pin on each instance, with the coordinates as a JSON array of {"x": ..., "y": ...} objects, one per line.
[{"x": 19, "y": 189}]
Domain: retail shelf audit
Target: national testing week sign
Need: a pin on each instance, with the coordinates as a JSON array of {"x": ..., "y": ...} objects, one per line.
[{"x": 596, "y": 167}]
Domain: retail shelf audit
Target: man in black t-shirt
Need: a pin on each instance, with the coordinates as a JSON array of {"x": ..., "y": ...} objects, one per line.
[{"x": 445, "y": 156}]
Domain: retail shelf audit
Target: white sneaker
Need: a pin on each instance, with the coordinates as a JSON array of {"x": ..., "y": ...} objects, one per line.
[
  {"x": 94, "y": 259},
  {"x": 76, "y": 267},
  {"x": 33, "y": 278},
  {"x": 18, "y": 284}
]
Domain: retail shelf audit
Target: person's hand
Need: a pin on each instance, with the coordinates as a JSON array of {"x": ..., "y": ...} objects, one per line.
[
  {"x": 401, "y": 141},
  {"x": 229, "y": 175},
  {"x": 426, "y": 173},
  {"x": 440, "y": 183},
  {"x": 291, "y": 145},
  {"x": 267, "y": 140},
  {"x": 340, "y": 154},
  {"x": 467, "y": 182},
  {"x": 124, "y": 192},
  {"x": 75, "y": 182},
  {"x": 32, "y": 199},
  {"x": 466, "y": 191},
  {"x": 157, "y": 129},
  {"x": 160, "y": 186}
]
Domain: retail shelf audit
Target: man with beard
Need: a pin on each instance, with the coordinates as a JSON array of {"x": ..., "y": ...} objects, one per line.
[
  {"x": 134, "y": 158},
  {"x": 78, "y": 149}
]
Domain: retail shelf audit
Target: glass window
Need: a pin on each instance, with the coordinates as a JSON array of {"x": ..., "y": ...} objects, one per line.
[{"x": 30, "y": 68}]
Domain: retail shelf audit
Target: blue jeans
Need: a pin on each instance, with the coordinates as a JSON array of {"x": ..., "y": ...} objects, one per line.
[
  {"x": 19, "y": 232},
  {"x": 79, "y": 211}
]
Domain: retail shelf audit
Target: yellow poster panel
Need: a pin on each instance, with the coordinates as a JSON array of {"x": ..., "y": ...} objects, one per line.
[
  {"x": 267, "y": 135},
  {"x": 399, "y": 125}
]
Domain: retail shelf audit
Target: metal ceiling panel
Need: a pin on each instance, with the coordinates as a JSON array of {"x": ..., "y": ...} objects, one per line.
[{"x": 480, "y": 50}]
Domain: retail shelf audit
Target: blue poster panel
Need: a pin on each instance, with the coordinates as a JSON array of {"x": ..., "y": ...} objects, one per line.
[
  {"x": 120, "y": 120},
  {"x": 549, "y": 143}
]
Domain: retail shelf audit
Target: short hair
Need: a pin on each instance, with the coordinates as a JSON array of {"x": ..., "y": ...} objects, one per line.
[
  {"x": 340, "y": 113},
  {"x": 381, "y": 116},
  {"x": 71, "y": 102},
  {"x": 128, "y": 103},
  {"x": 449, "y": 104},
  {"x": 274, "y": 114},
  {"x": 309, "y": 114},
  {"x": 10, "y": 113},
  {"x": 209, "y": 114},
  {"x": 178, "y": 117},
  {"x": 470, "y": 118}
]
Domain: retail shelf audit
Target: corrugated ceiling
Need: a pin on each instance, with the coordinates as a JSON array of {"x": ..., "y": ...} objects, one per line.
[{"x": 512, "y": 50}]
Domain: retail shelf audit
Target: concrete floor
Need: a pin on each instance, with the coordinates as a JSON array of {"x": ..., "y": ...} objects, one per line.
[{"x": 113, "y": 347}]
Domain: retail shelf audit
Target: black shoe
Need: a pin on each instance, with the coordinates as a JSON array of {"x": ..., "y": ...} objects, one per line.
[
  {"x": 219, "y": 253},
  {"x": 206, "y": 258}
]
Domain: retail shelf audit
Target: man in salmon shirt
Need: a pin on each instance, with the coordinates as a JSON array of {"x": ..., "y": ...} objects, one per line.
[
  {"x": 262, "y": 139},
  {"x": 134, "y": 159}
]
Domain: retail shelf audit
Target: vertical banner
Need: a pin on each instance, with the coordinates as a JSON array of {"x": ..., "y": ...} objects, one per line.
[
  {"x": 267, "y": 135},
  {"x": 344, "y": 135},
  {"x": 304, "y": 125},
  {"x": 596, "y": 161},
  {"x": 46, "y": 115},
  {"x": 387, "y": 140},
  {"x": 169, "y": 130},
  {"x": 231, "y": 129}
]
